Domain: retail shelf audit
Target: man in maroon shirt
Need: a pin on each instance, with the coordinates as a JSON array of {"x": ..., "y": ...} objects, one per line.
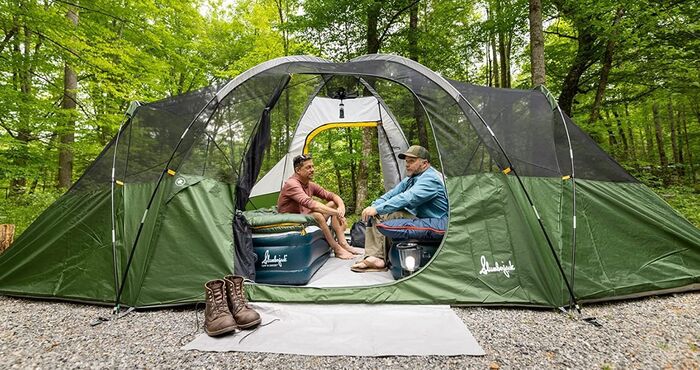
[{"x": 297, "y": 195}]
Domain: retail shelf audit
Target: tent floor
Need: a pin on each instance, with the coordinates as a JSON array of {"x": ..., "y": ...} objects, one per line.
[{"x": 336, "y": 273}]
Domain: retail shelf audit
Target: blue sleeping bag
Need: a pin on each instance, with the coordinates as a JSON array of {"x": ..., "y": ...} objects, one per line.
[{"x": 416, "y": 228}]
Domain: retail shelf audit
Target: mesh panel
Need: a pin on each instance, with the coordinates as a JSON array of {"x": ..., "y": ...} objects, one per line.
[
  {"x": 219, "y": 142},
  {"x": 590, "y": 161},
  {"x": 455, "y": 135},
  {"x": 285, "y": 116},
  {"x": 528, "y": 129},
  {"x": 146, "y": 142},
  {"x": 534, "y": 138}
]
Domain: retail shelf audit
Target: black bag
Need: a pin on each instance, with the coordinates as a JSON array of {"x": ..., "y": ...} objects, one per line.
[
  {"x": 244, "y": 257},
  {"x": 357, "y": 234}
]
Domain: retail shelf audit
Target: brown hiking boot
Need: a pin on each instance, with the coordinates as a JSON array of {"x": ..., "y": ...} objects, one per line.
[
  {"x": 245, "y": 316},
  {"x": 217, "y": 317}
]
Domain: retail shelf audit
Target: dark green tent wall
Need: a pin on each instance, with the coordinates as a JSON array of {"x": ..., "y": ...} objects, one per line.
[{"x": 167, "y": 183}]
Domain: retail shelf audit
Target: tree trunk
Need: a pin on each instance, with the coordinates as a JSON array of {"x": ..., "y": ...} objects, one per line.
[
  {"x": 679, "y": 137},
  {"x": 672, "y": 124},
  {"x": 353, "y": 171},
  {"x": 536, "y": 43},
  {"x": 496, "y": 64},
  {"x": 663, "y": 160},
  {"x": 585, "y": 54},
  {"x": 281, "y": 11},
  {"x": 649, "y": 140},
  {"x": 373, "y": 13},
  {"x": 362, "y": 172},
  {"x": 24, "y": 50},
  {"x": 630, "y": 134},
  {"x": 413, "y": 52},
  {"x": 7, "y": 235},
  {"x": 623, "y": 136},
  {"x": 509, "y": 48},
  {"x": 612, "y": 140},
  {"x": 336, "y": 168},
  {"x": 488, "y": 65},
  {"x": 674, "y": 144},
  {"x": 687, "y": 148},
  {"x": 505, "y": 63},
  {"x": 67, "y": 134},
  {"x": 605, "y": 70}
]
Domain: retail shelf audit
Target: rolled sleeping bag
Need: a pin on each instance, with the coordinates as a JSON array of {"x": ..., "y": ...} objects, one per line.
[
  {"x": 268, "y": 220},
  {"x": 416, "y": 228}
]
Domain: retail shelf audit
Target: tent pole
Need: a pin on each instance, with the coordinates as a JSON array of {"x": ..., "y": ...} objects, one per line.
[
  {"x": 573, "y": 200},
  {"x": 529, "y": 200},
  {"x": 126, "y": 121},
  {"x": 153, "y": 196},
  {"x": 556, "y": 106}
]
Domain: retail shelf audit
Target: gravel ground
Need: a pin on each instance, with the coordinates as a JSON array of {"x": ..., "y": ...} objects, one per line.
[{"x": 649, "y": 333}]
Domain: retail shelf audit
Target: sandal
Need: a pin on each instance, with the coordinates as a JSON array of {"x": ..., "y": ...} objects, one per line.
[{"x": 364, "y": 266}]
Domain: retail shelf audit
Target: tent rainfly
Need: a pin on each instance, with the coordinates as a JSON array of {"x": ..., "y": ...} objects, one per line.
[{"x": 539, "y": 214}]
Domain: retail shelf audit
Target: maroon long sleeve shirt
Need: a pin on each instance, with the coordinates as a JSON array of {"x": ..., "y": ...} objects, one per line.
[{"x": 295, "y": 197}]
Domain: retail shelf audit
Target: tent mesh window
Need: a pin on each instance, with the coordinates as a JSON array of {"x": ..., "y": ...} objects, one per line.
[{"x": 521, "y": 119}]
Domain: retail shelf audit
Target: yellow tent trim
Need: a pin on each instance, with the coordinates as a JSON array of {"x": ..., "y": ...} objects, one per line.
[{"x": 329, "y": 126}]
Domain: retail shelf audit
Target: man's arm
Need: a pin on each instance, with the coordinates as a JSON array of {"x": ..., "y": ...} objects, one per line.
[
  {"x": 398, "y": 189},
  {"x": 424, "y": 189},
  {"x": 317, "y": 206},
  {"x": 322, "y": 193}
]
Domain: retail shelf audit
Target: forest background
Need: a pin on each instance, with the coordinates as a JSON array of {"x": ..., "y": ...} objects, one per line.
[{"x": 628, "y": 72}]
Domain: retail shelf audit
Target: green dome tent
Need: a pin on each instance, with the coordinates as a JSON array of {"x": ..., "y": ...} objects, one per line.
[{"x": 539, "y": 215}]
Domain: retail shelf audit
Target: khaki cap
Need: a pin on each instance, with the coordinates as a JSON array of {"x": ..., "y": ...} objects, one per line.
[{"x": 416, "y": 151}]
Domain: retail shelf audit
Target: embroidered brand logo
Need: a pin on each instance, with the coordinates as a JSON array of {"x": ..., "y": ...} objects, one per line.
[
  {"x": 273, "y": 261},
  {"x": 180, "y": 181},
  {"x": 505, "y": 269}
]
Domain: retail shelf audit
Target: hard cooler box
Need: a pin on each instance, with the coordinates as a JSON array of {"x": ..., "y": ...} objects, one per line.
[{"x": 290, "y": 258}]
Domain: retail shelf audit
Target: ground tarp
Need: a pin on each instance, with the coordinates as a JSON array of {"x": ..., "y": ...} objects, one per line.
[{"x": 350, "y": 330}]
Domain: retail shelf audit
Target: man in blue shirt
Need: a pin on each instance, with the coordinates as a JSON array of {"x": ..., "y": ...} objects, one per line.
[{"x": 420, "y": 195}]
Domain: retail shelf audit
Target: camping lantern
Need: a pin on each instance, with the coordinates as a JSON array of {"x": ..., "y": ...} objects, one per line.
[{"x": 410, "y": 256}]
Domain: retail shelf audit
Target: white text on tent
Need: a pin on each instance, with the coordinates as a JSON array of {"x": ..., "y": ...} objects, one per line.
[{"x": 505, "y": 269}]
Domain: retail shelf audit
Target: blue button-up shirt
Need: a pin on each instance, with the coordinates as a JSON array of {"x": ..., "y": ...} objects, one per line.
[{"x": 422, "y": 195}]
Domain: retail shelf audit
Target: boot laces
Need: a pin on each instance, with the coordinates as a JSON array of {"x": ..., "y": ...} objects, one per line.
[
  {"x": 241, "y": 296},
  {"x": 218, "y": 298}
]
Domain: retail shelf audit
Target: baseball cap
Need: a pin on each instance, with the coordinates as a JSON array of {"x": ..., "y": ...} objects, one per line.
[{"x": 416, "y": 151}]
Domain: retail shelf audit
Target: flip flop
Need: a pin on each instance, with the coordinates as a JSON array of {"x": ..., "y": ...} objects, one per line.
[{"x": 363, "y": 266}]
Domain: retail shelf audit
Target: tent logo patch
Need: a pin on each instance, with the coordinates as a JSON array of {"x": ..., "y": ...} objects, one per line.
[
  {"x": 180, "y": 181},
  {"x": 505, "y": 269},
  {"x": 273, "y": 261}
]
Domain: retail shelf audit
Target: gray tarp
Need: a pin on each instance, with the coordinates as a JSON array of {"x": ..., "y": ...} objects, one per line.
[{"x": 350, "y": 330}]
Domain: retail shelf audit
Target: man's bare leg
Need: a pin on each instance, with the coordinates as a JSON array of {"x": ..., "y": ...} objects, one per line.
[
  {"x": 339, "y": 251},
  {"x": 339, "y": 229}
]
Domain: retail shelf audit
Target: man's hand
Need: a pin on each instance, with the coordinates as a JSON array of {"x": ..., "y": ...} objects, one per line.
[
  {"x": 341, "y": 211},
  {"x": 368, "y": 212}
]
